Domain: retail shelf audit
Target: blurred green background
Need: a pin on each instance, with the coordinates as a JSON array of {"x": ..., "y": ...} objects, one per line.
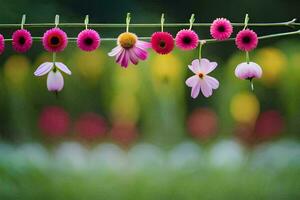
[{"x": 135, "y": 133}]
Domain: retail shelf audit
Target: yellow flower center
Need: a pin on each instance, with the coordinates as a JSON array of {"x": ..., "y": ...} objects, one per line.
[
  {"x": 127, "y": 40},
  {"x": 201, "y": 75}
]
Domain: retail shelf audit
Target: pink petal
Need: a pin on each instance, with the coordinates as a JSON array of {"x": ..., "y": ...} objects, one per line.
[
  {"x": 206, "y": 89},
  {"x": 140, "y": 53},
  {"x": 120, "y": 55},
  {"x": 213, "y": 66},
  {"x": 214, "y": 83},
  {"x": 192, "y": 81},
  {"x": 205, "y": 66},
  {"x": 55, "y": 81},
  {"x": 63, "y": 67},
  {"x": 43, "y": 69},
  {"x": 125, "y": 59},
  {"x": 133, "y": 58},
  {"x": 115, "y": 51},
  {"x": 195, "y": 90},
  {"x": 143, "y": 45},
  {"x": 195, "y": 66}
]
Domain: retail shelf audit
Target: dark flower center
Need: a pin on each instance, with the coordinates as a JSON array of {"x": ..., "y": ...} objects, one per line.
[
  {"x": 54, "y": 40},
  {"x": 88, "y": 41},
  {"x": 221, "y": 28},
  {"x": 246, "y": 39},
  {"x": 187, "y": 40},
  {"x": 162, "y": 44},
  {"x": 22, "y": 40}
]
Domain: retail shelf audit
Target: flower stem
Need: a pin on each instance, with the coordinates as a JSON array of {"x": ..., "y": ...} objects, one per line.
[
  {"x": 291, "y": 23},
  {"x": 247, "y": 57}
]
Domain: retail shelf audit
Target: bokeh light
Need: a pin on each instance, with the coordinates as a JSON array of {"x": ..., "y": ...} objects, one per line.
[
  {"x": 124, "y": 133},
  {"x": 244, "y": 107},
  {"x": 54, "y": 121}
]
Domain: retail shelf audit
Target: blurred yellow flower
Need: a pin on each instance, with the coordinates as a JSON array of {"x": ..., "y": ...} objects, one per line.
[
  {"x": 89, "y": 64},
  {"x": 166, "y": 68},
  {"x": 273, "y": 61},
  {"x": 244, "y": 107},
  {"x": 124, "y": 107},
  {"x": 16, "y": 68},
  {"x": 127, "y": 79}
]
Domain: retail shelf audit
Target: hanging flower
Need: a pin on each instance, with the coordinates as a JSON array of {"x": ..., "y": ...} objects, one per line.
[
  {"x": 246, "y": 40},
  {"x": 21, "y": 40},
  {"x": 129, "y": 49},
  {"x": 187, "y": 39},
  {"x": 202, "y": 81},
  {"x": 248, "y": 71},
  {"x": 55, "y": 80},
  {"x": 2, "y": 44},
  {"x": 88, "y": 40},
  {"x": 221, "y": 29},
  {"x": 55, "y": 40},
  {"x": 162, "y": 42}
]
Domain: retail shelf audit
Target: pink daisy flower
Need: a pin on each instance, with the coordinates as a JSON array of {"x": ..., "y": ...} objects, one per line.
[
  {"x": 21, "y": 40},
  {"x": 88, "y": 40},
  {"x": 55, "y": 80},
  {"x": 129, "y": 49},
  {"x": 246, "y": 40},
  {"x": 221, "y": 29},
  {"x": 202, "y": 81},
  {"x": 2, "y": 44},
  {"x": 162, "y": 42},
  {"x": 186, "y": 39},
  {"x": 248, "y": 71},
  {"x": 55, "y": 40}
]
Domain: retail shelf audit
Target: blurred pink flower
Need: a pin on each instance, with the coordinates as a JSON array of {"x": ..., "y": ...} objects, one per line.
[
  {"x": 202, "y": 123},
  {"x": 54, "y": 121},
  {"x": 90, "y": 126},
  {"x": 124, "y": 133},
  {"x": 201, "y": 81}
]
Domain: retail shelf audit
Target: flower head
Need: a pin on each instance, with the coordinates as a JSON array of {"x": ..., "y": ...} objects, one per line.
[
  {"x": 2, "y": 44},
  {"x": 221, "y": 29},
  {"x": 88, "y": 40},
  {"x": 246, "y": 40},
  {"x": 248, "y": 71},
  {"x": 202, "y": 81},
  {"x": 55, "y": 40},
  {"x": 21, "y": 40},
  {"x": 187, "y": 39},
  {"x": 129, "y": 48},
  {"x": 162, "y": 42},
  {"x": 55, "y": 80}
]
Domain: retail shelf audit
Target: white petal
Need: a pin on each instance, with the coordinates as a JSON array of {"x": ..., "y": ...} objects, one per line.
[
  {"x": 206, "y": 89},
  {"x": 214, "y": 83},
  {"x": 55, "y": 81},
  {"x": 193, "y": 80},
  {"x": 43, "y": 69},
  {"x": 115, "y": 51},
  {"x": 63, "y": 67}
]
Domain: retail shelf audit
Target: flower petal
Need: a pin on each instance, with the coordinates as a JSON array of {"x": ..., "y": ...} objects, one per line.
[
  {"x": 213, "y": 66},
  {"x": 133, "y": 57},
  {"x": 43, "y": 69},
  {"x": 192, "y": 81},
  {"x": 214, "y": 83},
  {"x": 195, "y": 90},
  {"x": 143, "y": 45},
  {"x": 55, "y": 81},
  {"x": 205, "y": 66},
  {"x": 120, "y": 55},
  {"x": 140, "y": 53},
  {"x": 115, "y": 51},
  {"x": 206, "y": 89},
  {"x": 124, "y": 59},
  {"x": 195, "y": 66},
  {"x": 63, "y": 67}
]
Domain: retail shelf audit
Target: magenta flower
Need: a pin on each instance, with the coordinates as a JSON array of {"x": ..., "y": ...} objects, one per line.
[
  {"x": 55, "y": 40},
  {"x": 2, "y": 44},
  {"x": 129, "y": 49},
  {"x": 248, "y": 71},
  {"x": 55, "y": 80},
  {"x": 21, "y": 40},
  {"x": 162, "y": 42},
  {"x": 221, "y": 29},
  {"x": 88, "y": 40},
  {"x": 246, "y": 40},
  {"x": 202, "y": 81},
  {"x": 187, "y": 39}
]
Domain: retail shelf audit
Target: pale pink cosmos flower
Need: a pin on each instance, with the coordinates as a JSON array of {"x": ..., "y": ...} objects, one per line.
[
  {"x": 248, "y": 71},
  {"x": 55, "y": 80},
  {"x": 202, "y": 81},
  {"x": 129, "y": 49}
]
